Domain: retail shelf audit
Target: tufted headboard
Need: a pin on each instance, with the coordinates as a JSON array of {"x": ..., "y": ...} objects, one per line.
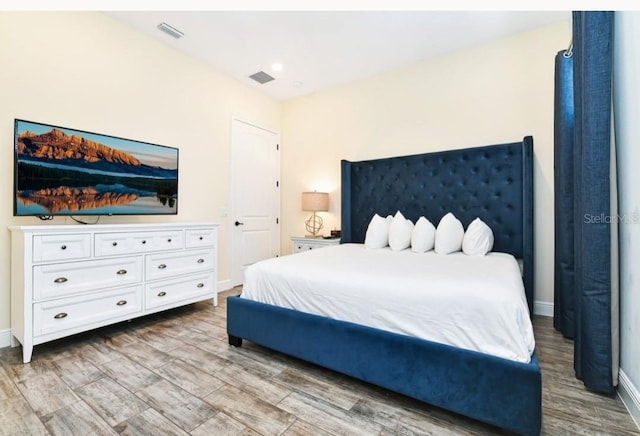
[{"x": 493, "y": 182}]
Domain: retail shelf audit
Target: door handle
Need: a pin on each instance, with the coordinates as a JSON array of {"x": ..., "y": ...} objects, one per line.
[{"x": 238, "y": 223}]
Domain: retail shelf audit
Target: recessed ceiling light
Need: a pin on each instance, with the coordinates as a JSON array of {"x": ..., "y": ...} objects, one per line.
[{"x": 276, "y": 67}]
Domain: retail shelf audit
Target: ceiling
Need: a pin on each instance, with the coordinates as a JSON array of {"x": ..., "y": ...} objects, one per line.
[{"x": 321, "y": 49}]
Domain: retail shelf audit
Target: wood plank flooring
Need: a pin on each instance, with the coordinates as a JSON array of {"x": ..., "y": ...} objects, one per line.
[{"x": 174, "y": 374}]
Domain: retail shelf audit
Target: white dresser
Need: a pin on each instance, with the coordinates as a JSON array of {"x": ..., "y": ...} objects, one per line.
[
  {"x": 300, "y": 243},
  {"x": 66, "y": 279}
]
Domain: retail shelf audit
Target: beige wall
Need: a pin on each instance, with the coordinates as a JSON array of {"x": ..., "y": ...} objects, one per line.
[
  {"x": 489, "y": 94},
  {"x": 86, "y": 70}
]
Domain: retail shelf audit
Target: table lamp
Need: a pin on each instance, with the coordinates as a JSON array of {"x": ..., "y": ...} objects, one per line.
[{"x": 314, "y": 202}]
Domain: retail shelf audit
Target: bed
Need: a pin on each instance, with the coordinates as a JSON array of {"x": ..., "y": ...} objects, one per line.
[{"x": 494, "y": 183}]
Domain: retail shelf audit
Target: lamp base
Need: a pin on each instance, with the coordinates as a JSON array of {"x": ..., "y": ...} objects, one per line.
[{"x": 313, "y": 225}]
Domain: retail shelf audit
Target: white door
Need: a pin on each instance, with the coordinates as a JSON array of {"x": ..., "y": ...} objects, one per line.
[{"x": 255, "y": 201}]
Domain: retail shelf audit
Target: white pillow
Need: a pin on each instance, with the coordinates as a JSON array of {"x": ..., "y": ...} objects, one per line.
[
  {"x": 377, "y": 235},
  {"x": 449, "y": 235},
  {"x": 400, "y": 232},
  {"x": 423, "y": 236},
  {"x": 478, "y": 239}
]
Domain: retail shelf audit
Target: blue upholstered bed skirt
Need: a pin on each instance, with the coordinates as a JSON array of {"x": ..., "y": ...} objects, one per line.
[{"x": 497, "y": 391}]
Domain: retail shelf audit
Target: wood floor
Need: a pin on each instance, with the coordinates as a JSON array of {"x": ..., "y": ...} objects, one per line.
[{"x": 174, "y": 374}]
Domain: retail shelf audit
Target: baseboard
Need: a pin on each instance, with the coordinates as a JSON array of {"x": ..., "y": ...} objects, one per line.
[
  {"x": 224, "y": 285},
  {"x": 630, "y": 397},
  {"x": 542, "y": 308},
  {"x": 5, "y": 338}
]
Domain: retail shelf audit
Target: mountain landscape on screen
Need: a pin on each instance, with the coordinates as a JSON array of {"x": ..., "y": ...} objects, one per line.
[{"x": 77, "y": 152}]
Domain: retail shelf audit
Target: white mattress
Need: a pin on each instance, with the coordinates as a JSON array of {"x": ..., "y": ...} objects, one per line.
[{"x": 471, "y": 302}]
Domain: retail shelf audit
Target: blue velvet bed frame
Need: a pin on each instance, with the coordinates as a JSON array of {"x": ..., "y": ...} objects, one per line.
[{"x": 494, "y": 183}]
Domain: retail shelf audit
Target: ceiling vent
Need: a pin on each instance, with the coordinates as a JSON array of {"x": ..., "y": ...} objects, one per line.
[
  {"x": 261, "y": 77},
  {"x": 170, "y": 30}
]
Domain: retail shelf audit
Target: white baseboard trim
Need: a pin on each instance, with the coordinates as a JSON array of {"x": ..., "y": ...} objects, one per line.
[
  {"x": 5, "y": 338},
  {"x": 543, "y": 308},
  {"x": 224, "y": 285},
  {"x": 630, "y": 396}
]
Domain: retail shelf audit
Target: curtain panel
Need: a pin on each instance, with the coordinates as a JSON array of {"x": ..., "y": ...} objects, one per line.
[
  {"x": 583, "y": 239},
  {"x": 564, "y": 296}
]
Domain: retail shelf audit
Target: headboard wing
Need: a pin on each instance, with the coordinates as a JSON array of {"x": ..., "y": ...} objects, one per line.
[{"x": 493, "y": 182}]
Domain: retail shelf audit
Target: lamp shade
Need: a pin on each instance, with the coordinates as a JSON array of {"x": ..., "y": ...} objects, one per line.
[{"x": 315, "y": 201}]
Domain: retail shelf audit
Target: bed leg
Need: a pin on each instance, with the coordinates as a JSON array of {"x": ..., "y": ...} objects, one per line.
[{"x": 235, "y": 341}]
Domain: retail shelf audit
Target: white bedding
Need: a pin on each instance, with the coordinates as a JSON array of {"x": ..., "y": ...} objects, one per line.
[{"x": 472, "y": 302}]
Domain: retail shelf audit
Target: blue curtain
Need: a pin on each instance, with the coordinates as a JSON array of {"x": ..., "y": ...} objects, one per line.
[
  {"x": 582, "y": 189},
  {"x": 564, "y": 283}
]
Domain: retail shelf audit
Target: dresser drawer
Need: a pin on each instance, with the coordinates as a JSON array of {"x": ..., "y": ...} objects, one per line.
[
  {"x": 174, "y": 291},
  {"x": 200, "y": 238},
  {"x": 61, "y": 247},
  {"x": 87, "y": 311},
  {"x": 57, "y": 280},
  {"x": 111, "y": 244},
  {"x": 171, "y": 264}
]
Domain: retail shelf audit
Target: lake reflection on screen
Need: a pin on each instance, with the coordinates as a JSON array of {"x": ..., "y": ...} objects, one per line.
[{"x": 69, "y": 201}]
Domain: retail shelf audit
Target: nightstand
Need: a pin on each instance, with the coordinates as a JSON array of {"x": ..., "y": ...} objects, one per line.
[{"x": 300, "y": 243}]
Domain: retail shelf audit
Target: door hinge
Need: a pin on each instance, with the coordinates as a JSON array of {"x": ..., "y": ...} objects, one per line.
[{"x": 277, "y": 221}]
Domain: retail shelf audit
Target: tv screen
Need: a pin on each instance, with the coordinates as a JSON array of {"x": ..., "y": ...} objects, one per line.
[{"x": 62, "y": 171}]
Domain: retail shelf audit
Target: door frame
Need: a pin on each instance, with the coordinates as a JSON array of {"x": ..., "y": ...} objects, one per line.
[{"x": 235, "y": 274}]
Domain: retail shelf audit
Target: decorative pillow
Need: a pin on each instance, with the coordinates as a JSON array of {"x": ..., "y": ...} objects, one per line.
[
  {"x": 423, "y": 236},
  {"x": 377, "y": 235},
  {"x": 478, "y": 239},
  {"x": 449, "y": 235},
  {"x": 400, "y": 232}
]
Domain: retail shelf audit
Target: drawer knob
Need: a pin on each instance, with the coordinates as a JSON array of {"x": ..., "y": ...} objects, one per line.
[
  {"x": 114, "y": 244},
  {"x": 60, "y": 280},
  {"x": 201, "y": 238},
  {"x": 121, "y": 272},
  {"x": 169, "y": 240},
  {"x": 60, "y": 315},
  {"x": 200, "y": 260},
  {"x": 201, "y": 285},
  {"x": 121, "y": 302},
  {"x": 64, "y": 247},
  {"x": 144, "y": 241},
  {"x": 162, "y": 294},
  {"x": 162, "y": 266}
]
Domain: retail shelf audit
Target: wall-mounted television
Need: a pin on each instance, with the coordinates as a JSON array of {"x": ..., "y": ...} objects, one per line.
[{"x": 63, "y": 171}]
